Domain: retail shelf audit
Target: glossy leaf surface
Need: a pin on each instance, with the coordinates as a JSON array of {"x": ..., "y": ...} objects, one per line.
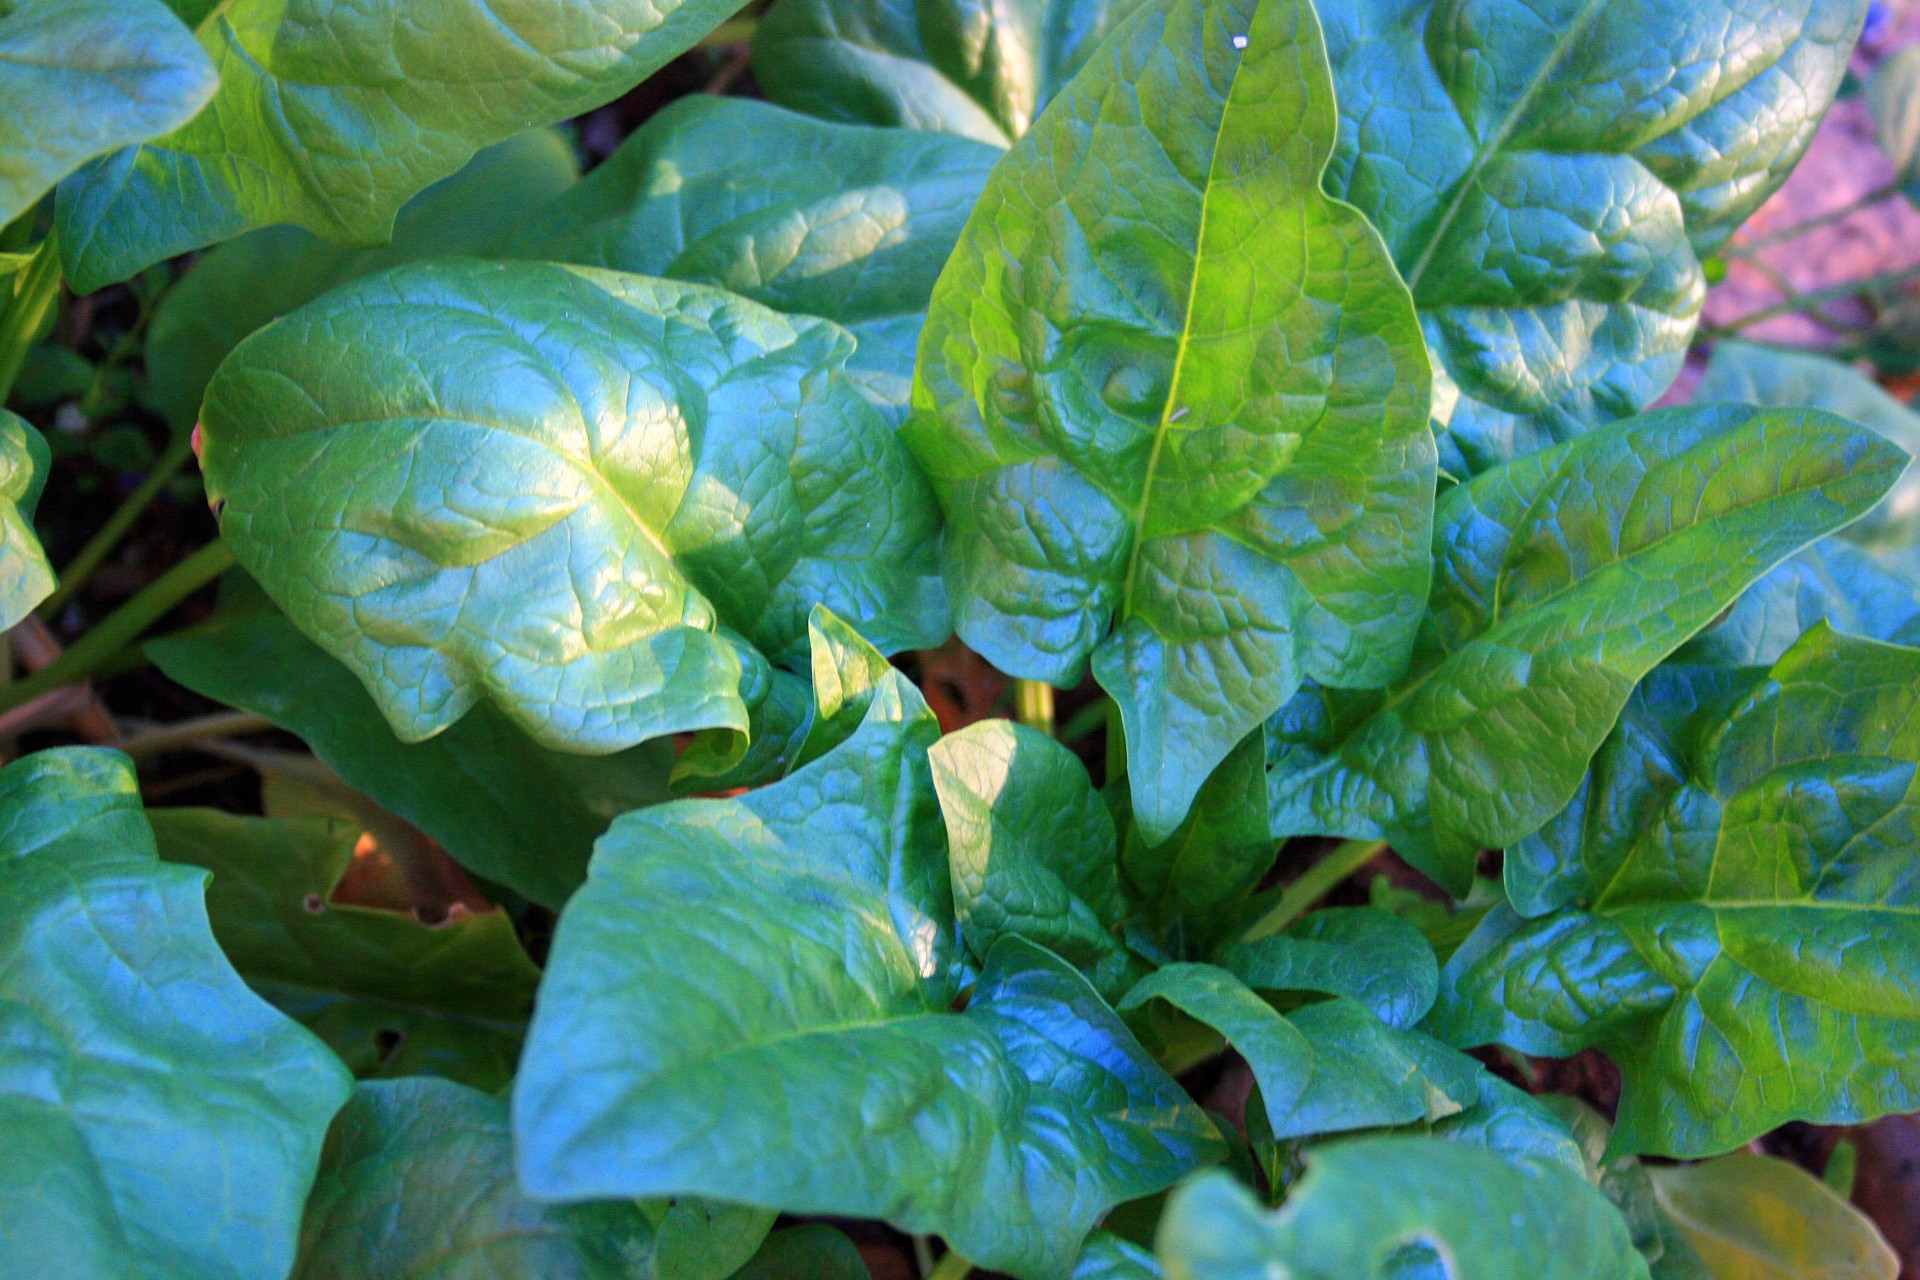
[
  {"x": 242, "y": 285},
  {"x": 649, "y": 470},
  {"x": 1549, "y": 175},
  {"x": 83, "y": 77},
  {"x": 1174, "y": 400},
  {"x": 1363, "y": 953},
  {"x": 1755, "y": 876},
  {"x": 1865, "y": 591},
  {"x": 817, "y": 914},
  {"x": 393, "y": 995},
  {"x": 841, "y": 221},
  {"x": 1401, "y": 1209},
  {"x": 161, "y": 1119},
  {"x": 1560, "y": 580},
  {"x": 25, "y": 576},
  {"x": 505, "y": 807},
  {"x": 1764, "y": 1219},
  {"x": 331, "y": 116}
]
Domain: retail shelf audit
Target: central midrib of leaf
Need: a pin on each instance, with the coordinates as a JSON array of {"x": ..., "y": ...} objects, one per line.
[
  {"x": 1497, "y": 142},
  {"x": 1167, "y": 410}
]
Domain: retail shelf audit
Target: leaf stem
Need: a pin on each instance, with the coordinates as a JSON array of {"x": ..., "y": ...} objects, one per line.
[
  {"x": 1320, "y": 878},
  {"x": 35, "y": 291},
  {"x": 950, "y": 1267},
  {"x": 188, "y": 733},
  {"x": 101, "y": 545},
  {"x": 1748, "y": 248},
  {"x": 123, "y": 626},
  {"x": 1033, "y": 705},
  {"x": 1809, "y": 300}
]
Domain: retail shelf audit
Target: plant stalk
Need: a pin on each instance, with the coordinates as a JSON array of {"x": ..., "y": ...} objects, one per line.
[
  {"x": 1809, "y": 300},
  {"x": 102, "y": 544},
  {"x": 123, "y": 626},
  {"x": 1321, "y": 877},
  {"x": 1033, "y": 705},
  {"x": 188, "y": 733},
  {"x": 1798, "y": 229},
  {"x": 950, "y": 1267},
  {"x": 35, "y": 292}
]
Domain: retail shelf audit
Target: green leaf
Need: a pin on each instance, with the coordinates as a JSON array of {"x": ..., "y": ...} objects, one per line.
[
  {"x": 1743, "y": 373},
  {"x": 1512, "y": 1124},
  {"x": 263, "y": 275},
  {"x": 25, "y": 576},
  {"x": 787, "y": 959},
  {"x": 1625, "y": 1181},
  {"x": 505, "y": 807},
  {"x": 1549, "y": 176},
  {"x": 959, "y": 66},
  {"x": 161, "y": 1120},
  {"x": 1401, "y": 1209},
  {"x": 832, "y": 220},
  {"x": 1108, "y": 1257},
  {"x": 1195, "y": 884},
  {"x": 82, "y": 77},
  {"x": 1865, "y": 591},
  {"x": 390, "y": 993},
  {"x": 1032, "y": 849},
  {"x": 417, "y": 1180},
  {"x": 331, "y": 116},
  {"x": 1893, "y": 97},
  {"x": 1366, "y": 954},
  {"x": 648, "y": 468},
  {"x": 1763, "y": 883},
  {"x": 1559, "y": 581},
  {"x": 1327, "y": 1068},
  {"x": 847, "y": 674},
  {"x": 1764, "y": 1219},
  {"x": 812, "y": 1252},
  {"x": 1179, "y": 424}
]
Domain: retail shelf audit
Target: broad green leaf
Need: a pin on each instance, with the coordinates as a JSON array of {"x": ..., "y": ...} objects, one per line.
[
  {"x": 1765, "y": 883},
  {"x": 25, "y": 576},
  {"x": 647, "y": 471},
  {"x": 811, "y": 1252},
  {"x": 1108, "y": 1257},
  {"x": 1893, "y": 96},
  {"x": 1195, "y": 884},
  {"x": 1742, "y": 373},
  {"x": 1401, "y": 1209},
  {"x": 507, "y": 808},
  {"x": 1549, "y": 174},
  {"x": 417, "y": 1181},
  {"x": 161, "y": 1120},
  {"x": 391, "y": 994},
  {"x": 1512, "y": 1124},
  {"x": 1757, "y": 1218},
  {"x": 82, "y": 77},
  {"x": 331, "y": 116},
  {"x": 1327, "y": 1068},
  {"x": 787, "y": 959},
  {"x": 1559, "y": 581},
  {"x": 982, "y": 71},
  {"x": 264, "y": 274},
  {"x": 847, "y": 673},
  {"x": 833, "y": 220},
  {"x": 1366, "y": 954},
  {"x": 1032, "y": 849},
  {"x": 1178, "y": 421},
  {"x": 1871, "y": 592}
]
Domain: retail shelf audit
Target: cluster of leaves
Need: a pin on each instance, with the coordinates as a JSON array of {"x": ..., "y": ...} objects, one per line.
[{"x": 1287, "y": 370}]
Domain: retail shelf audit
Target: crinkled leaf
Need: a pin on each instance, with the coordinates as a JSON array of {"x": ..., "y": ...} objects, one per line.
[
  {"x": 1871, "y": 592},
  {"x": 263, "y": 275},
  {"x": 417, "y": 1180},
  {"x": 1327, "y": 1068},
  {"x": 786, "y": 959},
  {"x": 1366, "y": 954},
  {"x": 1032, "y": 849},
  {"x": 1764, "y": 1219},
  {"x": 25, "y": 576},
  {"x": 1173, "y": 398},
  {"x": 331, "y": 116},
  {"x": 1766, "y": 883},
  {"x": 392, "y": 995},
  {"x": 82, "y": 77},
  {"x": 1743, "y": 373},
  {"x": 959, "y": 66},
  {"x": 645, "y": 467},
  {"x": 509, "y": 809},
  {"x": 161, "y": 1120},
  {"x": 1401, "y": 1209},
  {"x": 1559, "y": 581},
  {"x": 1549, "y": 173},
  {"x": 832, "y": 220}
]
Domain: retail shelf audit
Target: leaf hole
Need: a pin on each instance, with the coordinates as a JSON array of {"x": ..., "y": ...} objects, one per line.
[{"x": 314, "y": 904}]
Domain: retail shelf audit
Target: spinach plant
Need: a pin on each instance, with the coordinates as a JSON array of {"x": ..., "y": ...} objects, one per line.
[{"x": 1275, "y": 378}]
